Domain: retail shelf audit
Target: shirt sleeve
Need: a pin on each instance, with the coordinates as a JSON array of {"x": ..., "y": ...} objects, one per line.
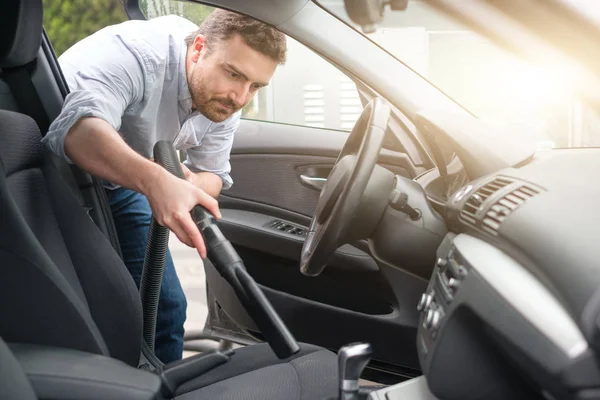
[
  {"x": 103, "y": 83},
  {"x": 212, "y": 155}
]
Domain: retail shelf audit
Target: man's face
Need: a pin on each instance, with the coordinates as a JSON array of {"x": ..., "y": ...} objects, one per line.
[{"x": 225, "y": 79}]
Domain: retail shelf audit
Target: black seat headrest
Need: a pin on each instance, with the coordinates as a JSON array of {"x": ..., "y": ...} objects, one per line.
[{"x": 20, "y": 31}]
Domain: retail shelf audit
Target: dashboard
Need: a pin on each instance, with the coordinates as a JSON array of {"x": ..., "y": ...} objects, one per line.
[{"x": 512, "y": 307}]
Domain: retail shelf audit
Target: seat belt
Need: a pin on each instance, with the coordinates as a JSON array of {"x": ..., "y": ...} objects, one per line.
[{"x": 27, "y": 98}]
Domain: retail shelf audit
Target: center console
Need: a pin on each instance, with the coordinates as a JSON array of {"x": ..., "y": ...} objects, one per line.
[
  {"x": 352, "y": 359},
  {"x": 481, "y": 335},
  {"x": 449, "y": 273},
  {"x": 447, "y": 277},
  {"x": 457, "y": 339}
]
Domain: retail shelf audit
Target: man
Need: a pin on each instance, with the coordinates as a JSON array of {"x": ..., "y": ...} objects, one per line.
[{"x": 139, "y": 82}]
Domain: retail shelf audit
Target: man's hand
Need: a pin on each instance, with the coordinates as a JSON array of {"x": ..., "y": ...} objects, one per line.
[{"x": 172, "y": 199}]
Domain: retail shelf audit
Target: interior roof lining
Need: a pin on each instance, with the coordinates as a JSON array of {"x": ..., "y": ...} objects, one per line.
[{"x": 274, "y": 12}]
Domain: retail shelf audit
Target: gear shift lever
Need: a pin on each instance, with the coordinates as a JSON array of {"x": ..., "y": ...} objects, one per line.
[{"x": 352, "y": 359}]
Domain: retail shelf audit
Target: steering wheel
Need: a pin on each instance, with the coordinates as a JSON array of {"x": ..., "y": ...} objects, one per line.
[{"x": 342, "y": 193}]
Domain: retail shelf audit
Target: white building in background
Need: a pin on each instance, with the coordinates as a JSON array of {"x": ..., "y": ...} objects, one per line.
[{"x": 308, "y": 90}]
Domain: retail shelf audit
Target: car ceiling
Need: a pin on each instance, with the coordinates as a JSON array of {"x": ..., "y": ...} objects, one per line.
[{"x": 275, "y": 12}]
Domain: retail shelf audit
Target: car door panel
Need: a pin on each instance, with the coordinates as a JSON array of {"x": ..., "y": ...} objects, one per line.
[
  {"x": 354, "y": 298},
  {"x": 255, "y": 231},
  {"x": 273, "y": 179},
  {"x": 335, "y": 308},
  {"x": 268, "y": 161},
  {"x": 262, "y": 137}
]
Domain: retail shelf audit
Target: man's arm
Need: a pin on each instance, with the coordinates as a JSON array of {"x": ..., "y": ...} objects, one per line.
[
  {"x": 94, "y": 145},
  {"x": 115, "y": 161},
  {"x": 207, "y": 181},
  {"x": 86, "y": 133}
]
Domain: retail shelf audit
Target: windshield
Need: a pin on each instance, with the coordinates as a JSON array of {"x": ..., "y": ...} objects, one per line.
[{"x": 490, "y": 82}]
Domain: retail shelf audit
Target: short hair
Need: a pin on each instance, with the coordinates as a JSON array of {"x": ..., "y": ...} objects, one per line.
[{"x": 221, "y": 25}]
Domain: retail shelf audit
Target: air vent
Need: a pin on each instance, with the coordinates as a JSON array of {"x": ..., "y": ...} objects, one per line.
[
  {"x": 503, "y": 207},
  {"x": 476, "y": 200}
]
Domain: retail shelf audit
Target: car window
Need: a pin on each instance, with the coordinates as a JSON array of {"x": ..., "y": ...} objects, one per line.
[
  {"x": 307, "y": 90},
  {"x": 494, "y": 84}
]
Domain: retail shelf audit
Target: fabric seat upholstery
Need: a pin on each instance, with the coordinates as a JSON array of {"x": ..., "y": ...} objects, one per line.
[
  {"x": 255, "y": 373},
  {"x": 13, "y": 381},
  {"x": 62, "y": 284}
]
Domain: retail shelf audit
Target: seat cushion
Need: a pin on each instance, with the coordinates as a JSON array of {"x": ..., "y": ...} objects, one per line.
[
  {"x": 14, "y": 383},
  {"x": 255, "y": 373}
]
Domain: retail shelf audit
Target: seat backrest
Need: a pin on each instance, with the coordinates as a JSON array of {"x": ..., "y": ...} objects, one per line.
[
  {"x": 20, "y": 31},
  {"x": 61, "y": 282}
]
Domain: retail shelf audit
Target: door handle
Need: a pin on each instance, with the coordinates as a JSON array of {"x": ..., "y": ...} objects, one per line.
[{"x": 313, "y": 182}]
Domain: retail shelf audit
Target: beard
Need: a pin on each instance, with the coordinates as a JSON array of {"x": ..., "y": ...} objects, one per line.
[{"x": 216, "y": 109}]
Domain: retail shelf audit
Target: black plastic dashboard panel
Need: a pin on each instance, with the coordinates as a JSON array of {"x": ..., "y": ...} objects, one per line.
[
  {"x": 529, "y": 301},
  {"x": 514, "y": 305},
  {"x": 554, "y": 234},
  {"x": 487, "y": 313}
]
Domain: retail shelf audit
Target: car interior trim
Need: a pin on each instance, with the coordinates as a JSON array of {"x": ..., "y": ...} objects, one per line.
[{"x": 519, "y": 287}]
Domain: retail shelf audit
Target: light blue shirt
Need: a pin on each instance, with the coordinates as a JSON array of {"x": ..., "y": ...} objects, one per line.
[{"x": 133, "y": 76}]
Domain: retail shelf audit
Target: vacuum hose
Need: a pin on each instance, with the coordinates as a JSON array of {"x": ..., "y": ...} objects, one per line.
[
  {"x": 226, "y": 261},
  {"x": 154, "y": 266},
  {"x": 154, "y": 260}
]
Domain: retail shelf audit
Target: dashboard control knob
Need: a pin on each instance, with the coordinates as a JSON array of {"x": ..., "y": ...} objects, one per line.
[
  {"x": 435, "y": 320},
  {"x": 428, "y": 301},
  {"x": 432, "y": 319},
  {"x": 421, "y": 305},
  {"x": 428, "y": 320},
  {"x": 441, "y": 262},
  {"x": 425, "y": 301},
  {"x": 453, "y": 284}
]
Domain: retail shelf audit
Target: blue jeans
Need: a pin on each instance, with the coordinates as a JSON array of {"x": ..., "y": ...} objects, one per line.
[{"x": 132, "y": 215}]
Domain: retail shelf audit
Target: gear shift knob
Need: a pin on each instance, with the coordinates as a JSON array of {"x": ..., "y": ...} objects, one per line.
[{"x": 352, "y": 359}]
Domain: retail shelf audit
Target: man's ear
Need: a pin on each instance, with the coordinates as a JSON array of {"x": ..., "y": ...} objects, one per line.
[{"x": 198, "y": 48}]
